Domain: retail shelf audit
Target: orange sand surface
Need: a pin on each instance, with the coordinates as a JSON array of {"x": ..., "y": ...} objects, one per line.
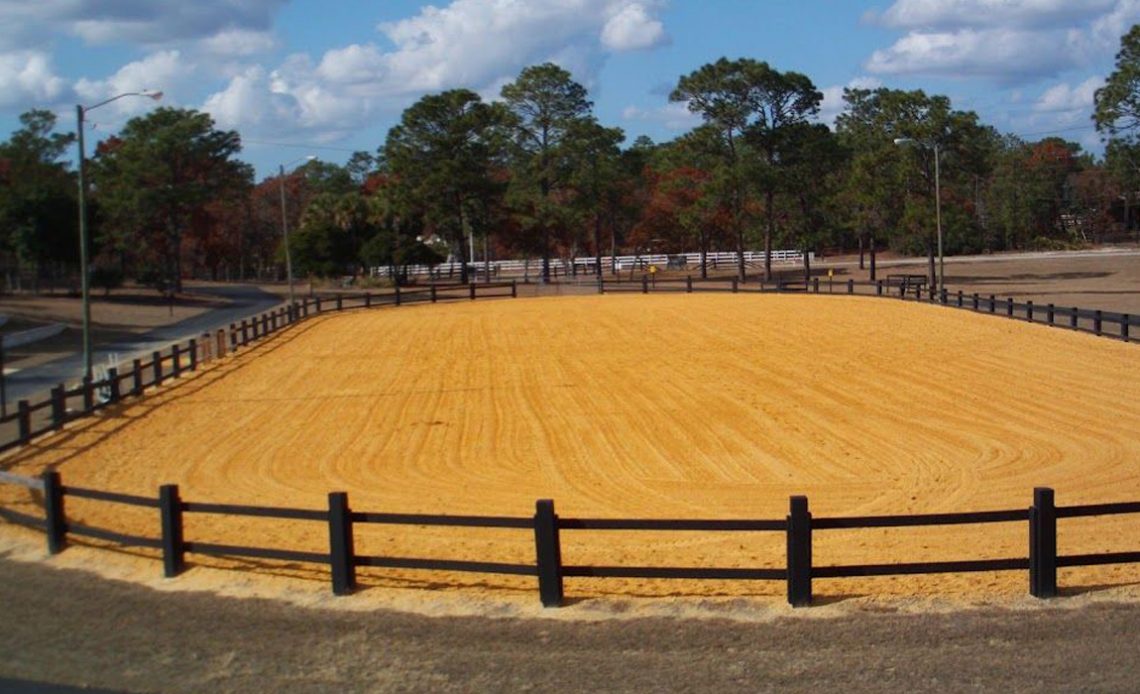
[{"x": 631, "y": 406}]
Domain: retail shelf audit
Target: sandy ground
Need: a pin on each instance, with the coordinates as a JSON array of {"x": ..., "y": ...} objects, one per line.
[{"x": 682, "y": 406}]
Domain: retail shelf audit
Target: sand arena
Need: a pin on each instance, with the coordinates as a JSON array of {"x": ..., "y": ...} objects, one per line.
[{"x": 676, "y": 406}]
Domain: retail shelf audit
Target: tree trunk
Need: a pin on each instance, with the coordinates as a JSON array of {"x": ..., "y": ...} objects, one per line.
[
  {"x": 768, "y": 236},
  {"x": 930, "y": 258},
  {"x": 872, "y": 245},
  {"x": 598, "y": 244}
]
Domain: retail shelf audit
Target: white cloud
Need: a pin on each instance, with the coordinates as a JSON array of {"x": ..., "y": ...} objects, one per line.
[
  {"x": 238, "y": 43},
  {"x": 475, "y": 44},
  {"x": 1063, "y": 98},
  {"x": 1006, "y": 41},
  {"x": 955, "y": 14},
  {"x": 633, "y": 28},
  {"x": 1005, "y": 55},
  {"x": 674, "y": 116},
  {"x": 164, "y": 71},
  {"x": 27, "y": 77},
  {"x": 146, "y": 23}
]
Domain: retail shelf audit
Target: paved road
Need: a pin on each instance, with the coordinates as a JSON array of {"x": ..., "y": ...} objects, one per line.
[{"x": 244, "y": 300}]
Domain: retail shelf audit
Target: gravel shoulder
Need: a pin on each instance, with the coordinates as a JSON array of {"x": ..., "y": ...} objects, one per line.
[{"x": 63, "y": 628}]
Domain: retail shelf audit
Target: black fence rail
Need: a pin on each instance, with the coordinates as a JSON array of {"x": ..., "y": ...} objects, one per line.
[
  {"x": 65, "y": 404},
  {"x": 907, "y": 287},
  {"x": 798, "y": 571}
]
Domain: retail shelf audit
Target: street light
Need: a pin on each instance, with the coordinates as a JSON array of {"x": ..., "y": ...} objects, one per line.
[
  {"x": 84, "y": 280},
  {"x": 285, "y": 227},
  {"x": 937, "y": 202}
]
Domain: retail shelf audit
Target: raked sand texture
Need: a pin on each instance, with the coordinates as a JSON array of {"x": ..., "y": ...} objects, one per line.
[{"x": 677, "y": 406}]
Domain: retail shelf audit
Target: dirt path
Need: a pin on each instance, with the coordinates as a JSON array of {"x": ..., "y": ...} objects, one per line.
[{"x": 62, "y": 628}]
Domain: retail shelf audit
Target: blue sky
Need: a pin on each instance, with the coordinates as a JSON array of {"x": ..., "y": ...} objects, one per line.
[{"x": 299, "y": 77}]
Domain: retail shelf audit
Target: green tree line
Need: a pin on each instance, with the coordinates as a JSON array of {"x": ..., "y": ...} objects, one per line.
[{"x": 534, "y": 174}]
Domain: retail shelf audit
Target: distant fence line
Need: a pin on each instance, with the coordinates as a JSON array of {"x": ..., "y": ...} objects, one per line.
[
  {"x": 1094, "y": 321},
  {"x": 798, "y": 571},
  {"x": 588, "y": 264}
]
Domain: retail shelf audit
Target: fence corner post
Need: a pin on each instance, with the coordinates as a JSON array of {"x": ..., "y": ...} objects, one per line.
[
  {"x": 514, "y": 289},
  {"x": 173, "y": 546},
  {"x": 56, "y": 521},
  {"x": 342, "y": 555},
  {"x": 1043, "y": 544},
  {"x": 1125, "y": 319},
  {"x": 799, "y": 552},
  {"x": 548, "y": 548}
]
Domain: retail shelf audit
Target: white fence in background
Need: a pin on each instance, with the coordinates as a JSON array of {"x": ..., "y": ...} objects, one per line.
[{"x": 585, "y": 264}]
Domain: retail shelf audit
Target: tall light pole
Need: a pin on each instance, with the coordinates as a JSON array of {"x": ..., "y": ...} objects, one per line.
[
  {"x": 285, "y": 227},
  {"x": 937, "y": 203},
  {"x": 84, "y": 278}
]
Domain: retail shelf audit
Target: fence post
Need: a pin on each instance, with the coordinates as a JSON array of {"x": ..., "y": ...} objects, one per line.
[
  {"x": 688, "y": 284},
  {"x": 157, "y": 357},
  {"x": 645, "y": 284},
  {"x": 193, "y": 354},
  {"x": 434, "y": 296},
  {"x": 317, "y": 304},
  {"x": 367, "y": 299},
  {"x": 173, "y": 547},
  {"x": 176, "y": 361},
  {"x": 1097, "y": 318},
  {"x": 942, "y": 296},
  {"x": 398, "y": 294},
  {"x": 244, "y": 332},
  {"x": 1043, "y": 544},
  {"x": 515, "y": 288},
  {"x": 25, "y": 416},
  {"x": 233, "y": 337},
  {"x": 799, "y": 552},
  {"x": 1029, "y": 311},
  {"x": 1125, "y": 319},
  {"x": 850, "y": 286},
  {"x": 264, "y": 324},
  {"x": 342, "y": 557},
  {"x": 993, "y": 304},
  {"x": 88, "y": 394},
  {"x": 1050, "y": 314},
  {"x": 56, "y": 526},
  {"x": 339, "y": 303},
  {"x": 815, "y": 285},
  {"x": 1074, "y": 316},
  {"x": 58, "y": 406},
  {"x": 959, "y": 298},
  {"x": 113, "y": 383},
  {"x": 878, "y": 287},
  {"x": 136, "y": 372},
  {"x": 735, "y": 285},
  {"x": 918, "y": 292},
  {"x": 472, "y": 291},
  {"x": 975, "y": 301},
  {"x": 548, "y": 548},
  {"x": 1009, "y": 307}
]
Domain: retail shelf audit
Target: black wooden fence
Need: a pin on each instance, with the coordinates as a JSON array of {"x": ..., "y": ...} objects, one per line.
[
  {"x": 798, "y": 571},
  {"x": 548, "y": 528},
  {"x": 1094, "y": 321}
]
